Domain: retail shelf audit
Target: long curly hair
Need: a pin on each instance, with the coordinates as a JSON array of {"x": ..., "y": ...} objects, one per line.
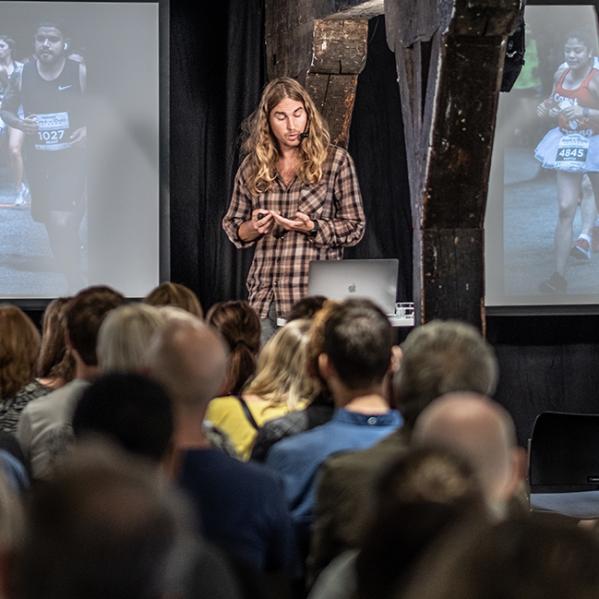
[{"x": 261, "y": 146}]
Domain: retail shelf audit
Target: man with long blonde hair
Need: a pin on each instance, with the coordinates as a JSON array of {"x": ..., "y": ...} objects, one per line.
[{"x": 296, "y": 197}]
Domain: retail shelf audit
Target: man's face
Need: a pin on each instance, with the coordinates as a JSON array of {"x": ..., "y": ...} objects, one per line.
[
  {"x": 49, "y": 44},
  {"x": 4, "y": 50},
  {"x": 288, "y": 120}
]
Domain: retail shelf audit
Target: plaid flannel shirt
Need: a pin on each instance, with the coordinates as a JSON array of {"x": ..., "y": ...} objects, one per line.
[{"x": 279, "y": 270}]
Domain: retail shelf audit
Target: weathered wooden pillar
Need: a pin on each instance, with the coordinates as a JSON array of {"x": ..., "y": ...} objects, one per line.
[
  {"x": 449, "y": 56},
  {"x": 323, "y": 44}
]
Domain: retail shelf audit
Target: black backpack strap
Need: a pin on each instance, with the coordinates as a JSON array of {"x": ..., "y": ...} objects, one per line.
[{"x": 247, "y": 412}]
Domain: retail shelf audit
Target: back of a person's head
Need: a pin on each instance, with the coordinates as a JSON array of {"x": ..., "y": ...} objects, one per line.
[
  {"x": 124, "y": 337},
  {"x": 84, "y": 315},
  {"x": 440, "y": 357},
  {"x": 104, "y": 526},
  {"x": 239, "y": 325},
  {"x": 534, "y": 557},
  {"x": 306, "y": 307},
  {"x": 175, "y": 294},
  {"x": 19, "y": 347},
  {"x": 418, "y": 496},
  {"x": 358, "y": 340},
  {"x": 54, "y": 360},
  {"x": 281, "y": 372},
  {"x": 189, "y": 359},
  {"x": 481, "y": 431},
  {"x": 130, "y": 410}
]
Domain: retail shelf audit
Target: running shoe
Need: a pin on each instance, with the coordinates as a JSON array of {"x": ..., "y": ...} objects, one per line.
[
  {"x": 23, "y": 199},
  {"x": 554, "y": 284},
  {"x": 581, "y": 250}
]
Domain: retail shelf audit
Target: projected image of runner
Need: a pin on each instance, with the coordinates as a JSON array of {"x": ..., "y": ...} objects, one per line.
[
  {"x": 44, "y": 100},
  {"x": 542, "y": 226},
  {"x": 79, "y": 147}
]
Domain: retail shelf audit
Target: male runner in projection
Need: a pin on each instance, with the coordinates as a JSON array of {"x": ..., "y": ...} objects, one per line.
[{"x": 50, "y": 88}]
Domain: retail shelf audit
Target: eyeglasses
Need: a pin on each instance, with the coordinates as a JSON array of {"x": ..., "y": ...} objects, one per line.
[{"x": 53, "y": 39}]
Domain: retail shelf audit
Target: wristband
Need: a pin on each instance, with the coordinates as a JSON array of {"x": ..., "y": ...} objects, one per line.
[
  {"x": 586, "y": 113},
  {"x": 313, "y": 232}
]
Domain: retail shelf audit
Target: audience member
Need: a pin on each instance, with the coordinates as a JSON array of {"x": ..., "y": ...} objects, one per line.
[
  {"x": 421, "y": 494},
  {"x": 306, "y": 308},
  {"x": 19, "y": 348},
  {"x": 279, "y": 386},
  {"x": 318, "y": 411},
  {"x": 438, "y": 357},
  {"x": 239, "y": 325},
  {"x": 55, "y": 365},
  {"x": 483, "y": 433},
  {"x": 44, "y": 429},
  {"x": 130, "y": 410},
  {"x": 175, "y": 294},
  {"x": 124, "y": 336},
  {"x": 105, "y": 526},
  {"x": 355, "y": 359},
  {"x": 537, "y": 557},
  {"x": 241, "y": 505}
]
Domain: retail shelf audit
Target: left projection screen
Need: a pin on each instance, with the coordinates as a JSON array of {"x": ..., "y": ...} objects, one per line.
[{"x": 80, "y": 159}]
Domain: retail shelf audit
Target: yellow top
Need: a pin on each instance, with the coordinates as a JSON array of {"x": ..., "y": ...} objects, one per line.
[{"x": 227, "y": 414}]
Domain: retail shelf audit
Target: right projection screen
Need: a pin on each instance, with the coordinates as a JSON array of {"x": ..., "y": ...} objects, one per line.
[{"x": 541, "y": 226}]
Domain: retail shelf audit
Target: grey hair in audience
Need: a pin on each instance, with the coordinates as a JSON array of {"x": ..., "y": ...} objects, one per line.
[
  {"x": 124, "y": 337},
  {"x": 440, "y": 357}
]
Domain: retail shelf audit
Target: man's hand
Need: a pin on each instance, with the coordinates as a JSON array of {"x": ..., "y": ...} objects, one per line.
[
  {"x": 262, "y": 221},
  {"x": 29, "y": 124},
  {"x": 301, "y": 223},
  {"x": 79, "y": 136}
]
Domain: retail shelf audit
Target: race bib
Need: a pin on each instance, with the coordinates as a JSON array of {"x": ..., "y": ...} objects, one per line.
[
  {"x": 52, "y": 131},
  {"x": 572, "y": 152}
]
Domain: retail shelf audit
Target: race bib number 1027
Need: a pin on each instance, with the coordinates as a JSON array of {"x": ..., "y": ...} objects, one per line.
[{"x": 52, "y": 131}]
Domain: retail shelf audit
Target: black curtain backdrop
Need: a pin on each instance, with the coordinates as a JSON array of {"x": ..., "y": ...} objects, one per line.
[{"x": 217, "y": 73}]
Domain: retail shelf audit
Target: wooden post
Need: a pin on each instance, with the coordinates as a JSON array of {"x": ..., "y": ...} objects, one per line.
[
  {"x": 449, "y": 56},
  {"x": 321, "y": 43}
]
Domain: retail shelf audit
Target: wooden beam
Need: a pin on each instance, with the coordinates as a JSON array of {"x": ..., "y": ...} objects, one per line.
[
  {"x": 325, "y": 54},
  {"x": 449, "y": 56}
]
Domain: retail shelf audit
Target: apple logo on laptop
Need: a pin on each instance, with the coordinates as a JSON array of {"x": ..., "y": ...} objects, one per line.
[{"x": 352, "y": 288}]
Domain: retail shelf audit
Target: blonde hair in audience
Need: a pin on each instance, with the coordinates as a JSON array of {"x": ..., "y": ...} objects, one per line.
[
  {"x": 281, "y": 371},
  {"x": 19, "y": 348},
  {"x": 175, "y": 294},
  {"x": 125, "y": 335}
]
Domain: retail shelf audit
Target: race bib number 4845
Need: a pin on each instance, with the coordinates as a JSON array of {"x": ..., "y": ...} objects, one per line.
[
  {"x": 51, "y": 131},
  {"x": 572, "y": 152}
]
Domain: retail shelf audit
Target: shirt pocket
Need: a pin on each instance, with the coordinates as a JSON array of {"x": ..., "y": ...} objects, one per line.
[{"x": 314, "y": 200}]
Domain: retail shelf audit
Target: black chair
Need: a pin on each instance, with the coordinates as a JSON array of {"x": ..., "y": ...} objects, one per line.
[{"x": 563, "y": 468}]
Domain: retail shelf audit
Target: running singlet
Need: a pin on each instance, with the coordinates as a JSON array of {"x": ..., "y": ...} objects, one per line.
[
  {"x": 56, "y": 103},
  {"x": 581, "y": 95}
]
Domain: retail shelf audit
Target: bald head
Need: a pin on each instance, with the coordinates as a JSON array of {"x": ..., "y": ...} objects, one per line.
[
  {"x": 189, "y": 359},
  {"x": 481, "y": 431}
]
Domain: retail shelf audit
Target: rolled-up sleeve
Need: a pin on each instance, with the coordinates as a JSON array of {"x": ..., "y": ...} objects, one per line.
[
  {"x": 347, "y": 226},
  {"x": 239, "y": 211}
]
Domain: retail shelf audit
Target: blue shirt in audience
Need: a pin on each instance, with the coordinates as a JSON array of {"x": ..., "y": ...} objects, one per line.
[
  {"x": 298, "y": 458},
  {"x": 242, "y": 509}
]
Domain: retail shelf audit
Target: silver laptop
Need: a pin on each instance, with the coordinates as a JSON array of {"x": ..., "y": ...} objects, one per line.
[{"x": 341, "y": 279}]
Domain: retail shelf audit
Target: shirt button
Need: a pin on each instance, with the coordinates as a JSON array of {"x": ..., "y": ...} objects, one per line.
[{"x": 372, "y": 420}]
